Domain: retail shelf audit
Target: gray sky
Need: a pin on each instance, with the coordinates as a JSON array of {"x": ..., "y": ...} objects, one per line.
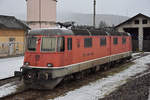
[{"x": 117, "y": 7}]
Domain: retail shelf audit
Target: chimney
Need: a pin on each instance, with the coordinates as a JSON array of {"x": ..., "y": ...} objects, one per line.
[{"x": 41, "y": 13}]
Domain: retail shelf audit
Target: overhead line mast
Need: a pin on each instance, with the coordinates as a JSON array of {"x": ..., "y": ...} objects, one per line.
[{"x": 94, "y": 14}]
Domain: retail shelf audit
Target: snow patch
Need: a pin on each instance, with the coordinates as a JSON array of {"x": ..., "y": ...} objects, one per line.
[
  {"x": 9, "y": 65},
  {"x": 7, "y": 89},
  {"x": 134, "y": 54}
]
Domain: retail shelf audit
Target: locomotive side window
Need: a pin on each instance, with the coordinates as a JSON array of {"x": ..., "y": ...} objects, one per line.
[
  {"x": 123, "y": 40},
  {"x": 31, "y": 43},
  {"x": 88, "y": 42},
  {"x": 69, "y": 43},
  {"x": 61, "y": 44},
  {"x": 78, "y": 43},
  {"x": 48, "y": 44},
  {"x": 115, "y": 41},
  {"x": 103, "y": 41}
]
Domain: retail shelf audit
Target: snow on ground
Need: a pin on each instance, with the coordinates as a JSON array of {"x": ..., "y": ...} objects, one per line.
[
  {"x": 7, "y": 89},
  {"x": 102, "y": 87},
  {"x": 9, "y": 65},
  {"x": 134, "y": 54}
]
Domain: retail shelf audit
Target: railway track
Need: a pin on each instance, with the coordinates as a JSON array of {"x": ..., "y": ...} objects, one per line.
[
  {"x": 27, "y": 94},
  {"x": 8, "y": 80}
]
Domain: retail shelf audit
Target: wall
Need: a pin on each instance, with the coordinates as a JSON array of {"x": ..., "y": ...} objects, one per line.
[{"x": 17, "y": 45}]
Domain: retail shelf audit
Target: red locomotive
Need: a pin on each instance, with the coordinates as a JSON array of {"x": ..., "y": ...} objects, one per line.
[{"x": 53, "y": 54}]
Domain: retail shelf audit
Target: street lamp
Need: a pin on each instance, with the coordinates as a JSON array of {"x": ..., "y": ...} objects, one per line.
[{"x": 94, "y": 14}]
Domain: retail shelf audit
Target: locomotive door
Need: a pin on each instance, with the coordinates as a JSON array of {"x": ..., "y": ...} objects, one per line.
[
  {"x": 68, "y": 53},
  {"x": 124, "y": 47}
]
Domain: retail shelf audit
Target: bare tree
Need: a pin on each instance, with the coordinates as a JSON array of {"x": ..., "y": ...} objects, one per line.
[{"x": 102, "y": 24}]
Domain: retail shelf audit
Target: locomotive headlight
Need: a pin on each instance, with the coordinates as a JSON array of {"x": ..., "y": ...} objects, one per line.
[
  {"x": 26, "y": 63},
  {"x": 49, "y": 65}
]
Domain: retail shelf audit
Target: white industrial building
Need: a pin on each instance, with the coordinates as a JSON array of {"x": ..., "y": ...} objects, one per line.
[{"x": 139, "y": 28}]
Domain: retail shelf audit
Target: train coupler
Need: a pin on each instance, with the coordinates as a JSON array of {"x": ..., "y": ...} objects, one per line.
[{"x": 18, "y": 74}]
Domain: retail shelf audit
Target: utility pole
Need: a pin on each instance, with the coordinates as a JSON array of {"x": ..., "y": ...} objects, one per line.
[{"x": 94, "y": 14}]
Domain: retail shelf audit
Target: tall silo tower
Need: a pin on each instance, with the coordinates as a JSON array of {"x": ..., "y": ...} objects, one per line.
[{"x": 41, "y": 13}]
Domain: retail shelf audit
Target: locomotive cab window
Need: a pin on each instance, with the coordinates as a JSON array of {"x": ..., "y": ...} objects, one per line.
[
  {"x": 48, "y": 44},
  {"x": 123, "y": 40},
  {"x": 88, "y": 42},
  {"x": 103, "y": 41},
  {"x": 61, "y": 44},
  {"x": 115, "y": 41},
  {"x": 31, "y": 43},
  {"x": 69, "y": 43}
]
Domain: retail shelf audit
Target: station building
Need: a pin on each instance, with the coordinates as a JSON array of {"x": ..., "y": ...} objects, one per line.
[
  {"x": 12, "y": 35},
  {"x": 139, "y": 28}
]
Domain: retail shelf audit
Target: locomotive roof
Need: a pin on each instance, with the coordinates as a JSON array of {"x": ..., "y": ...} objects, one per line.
[
  {"x": 82, "y": 32},
  {"x": 51, "y": 32}
]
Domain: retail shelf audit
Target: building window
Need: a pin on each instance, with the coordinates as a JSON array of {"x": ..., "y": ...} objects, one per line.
[
  {"x": 136, "y": 21},
  {"x": 69, "y": 43},
  {"x": 115, "y": 41},
  {"x": 88, "y": 42},
  {"x": 103, "y": 41},
  {"x": 123, "y": 40},
  {"x": 144, "y": 21},
  {"x": 11, "y": 39}
]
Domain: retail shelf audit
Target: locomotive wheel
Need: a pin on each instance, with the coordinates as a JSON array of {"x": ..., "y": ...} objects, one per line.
[{"x": 30, "y": 75}]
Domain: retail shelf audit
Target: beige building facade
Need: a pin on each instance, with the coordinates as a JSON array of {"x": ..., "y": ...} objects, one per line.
[
  {"x": 12, "y": 42},
  {"x": 139, "y": 28},
  {"x": 12, "y": 36},
  {"x": 41, "y": 13}
]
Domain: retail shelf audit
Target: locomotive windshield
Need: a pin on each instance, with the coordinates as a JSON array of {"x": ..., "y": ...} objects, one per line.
[
  {"x": 31, "y": 44},
  {"x": 48, "y": 44},
  {"x": 53, "y": 44}
]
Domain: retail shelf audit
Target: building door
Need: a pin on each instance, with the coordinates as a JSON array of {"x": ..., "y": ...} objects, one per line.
[
  {"x": 68, "y": 51},
  {"x": 146, "y": 39},
  {"x": 135, "y": 35},
  {"x": 11, "y": 46}
]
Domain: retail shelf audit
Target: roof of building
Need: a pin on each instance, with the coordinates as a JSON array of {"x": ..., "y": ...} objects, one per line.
[
  {"x": 140, "y": 14},
  {"x": 10, "y": 22}
]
